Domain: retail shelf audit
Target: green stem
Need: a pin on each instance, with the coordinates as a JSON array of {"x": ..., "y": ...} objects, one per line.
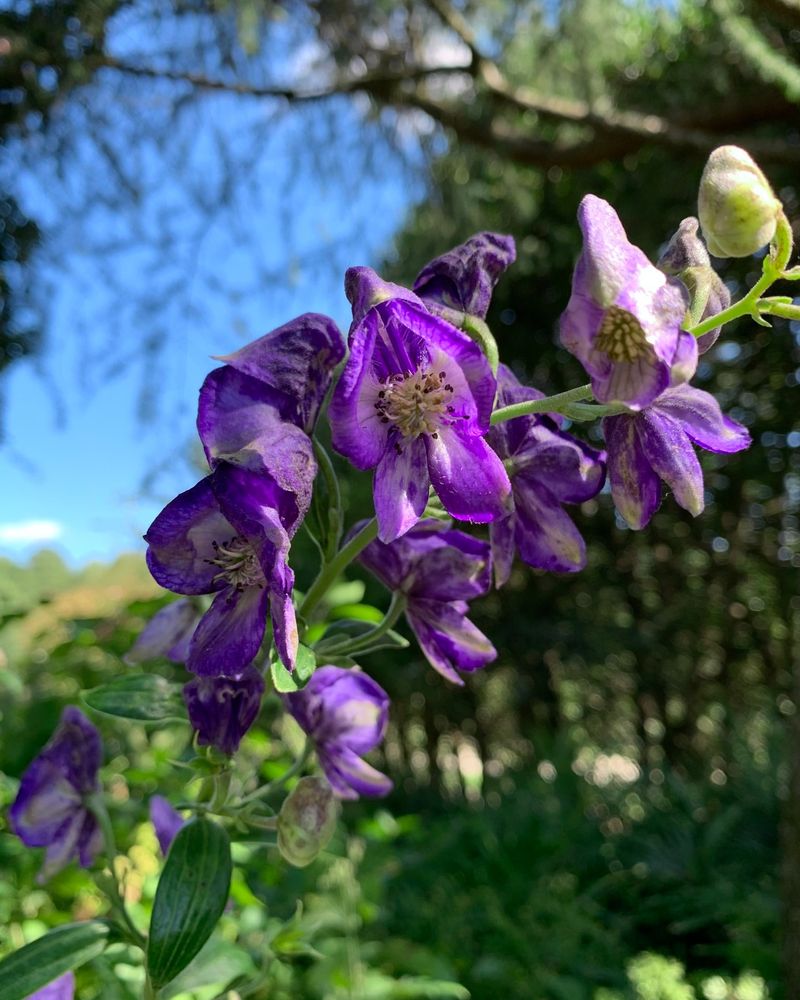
[
  {"x": 148, "y": 992},
  {"x": 477, "y": 330},
  {"x": 98, "y": 807},
  {"x": 549, "y": 404},
  {"x": 335, "y": 499},
  {"x": 348, "y": 646},
  {"x": 273, "y": 786},
  {"x": 332, "y": 570}
]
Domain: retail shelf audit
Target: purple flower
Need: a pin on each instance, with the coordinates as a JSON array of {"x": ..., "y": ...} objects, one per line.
[
  {"x": 229, "y": 535},
  {"x": 345, "y": 713},
  {"x": 166, "y": 820},
  {"x": 168, "y": 634},
  {"x": 657, "y": 444},
  {"x": 62, "y": 988},
  {"x": 414, "y": 401},
  {"x": 463, "y": 279},
  {"x": 258, "y": 410},
  {"x": 438, "y": 570},
  {"x": 686, "y": 258},
  {"x": 547, "y": 468},
  {"x": 51, "y": 809},
  {"x": 222, "y": 709},
  {"x": 623, "y": 320}
]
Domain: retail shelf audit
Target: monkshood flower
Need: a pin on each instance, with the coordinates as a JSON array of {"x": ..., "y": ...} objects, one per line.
[
  {"x": 345, "y": 713},
  {"x": 623, "y": 319},
  {"x": 222, "y": 709},
  {"x": 437, "y": 570},
  {"x": 51, "y": 808},
  {"x": 686, "y": 257},
  {"x": 656, "y": 444},
  {"x": 414, "y": 402},
  {"x": 547, "y": 468},
  {"x": 166, "y": 821},
  {"x": 62, "y": 988},
  {"x": 229, "y": 535},
  {"x": 463, "y": 279},
  {"x": 168, "y": 633},
  {"x": 258, "y": 410}
]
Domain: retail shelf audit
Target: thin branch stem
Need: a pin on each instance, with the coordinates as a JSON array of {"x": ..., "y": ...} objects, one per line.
[
  {"x": 548, "y": 404},
  {"x": 273, "y": 786},
  {"x": 357, "y": 645},
  {"x": 330, "y": 571}
]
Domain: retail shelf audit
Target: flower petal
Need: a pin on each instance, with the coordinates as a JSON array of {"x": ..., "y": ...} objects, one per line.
[
  {"x": 168, "y": 634},
  {"x": 570, "y": 470},
  {"x": 166, "y": 821},
  {"x": 544, "y": 533},
  {"x": 701, "y": 418},
  {"x": 349, "y": 775},
  {"x": 634, "y": 485},
  {"x": 671, "y": 456},
  {"x": 448, "y": 639},
  {"x": 501, "y": 538},
  {"x": 468, "y": 477},
  {"x": 229, "y": 634},
  {"x": 62, "y": 988},
  {"x": 221, "y": 709},
  {"x": 453, "y": 566},
  {"x": 463, "y": 278},
  {"x": 401, "y": 488},
  {"x": 365, "y": 289}
]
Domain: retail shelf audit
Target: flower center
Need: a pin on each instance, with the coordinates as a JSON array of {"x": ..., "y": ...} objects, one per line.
[
  {"x": 621, "y": 336},
  {"x": 238, "y": 565},
  {"x": 417, "y": 403}
]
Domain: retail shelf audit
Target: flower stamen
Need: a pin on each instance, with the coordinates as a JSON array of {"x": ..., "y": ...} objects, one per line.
[
  {"x": 621, "y": 337},
  {"x": 238, "y": 564},
  {"x": 417, "y": 403}
]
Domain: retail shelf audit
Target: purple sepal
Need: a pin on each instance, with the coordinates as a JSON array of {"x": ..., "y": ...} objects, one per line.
[
  {"x": 624, "y": 316},
  {"x": 345, "y": 713},
  {"x": 222, "y": 709},
  {"x": 365, "y": 289},
  {"x": 62, "y": 988},
  {"x": 50, "y": 808},
  {"x": 438, "y": 569},
  {"x": 166, "y": 820},
  {"x": 168, "y": 634},
  {"x": 547, "y": 468},
  {"x": 464, "y": 278},
  {"x": 657, "y": 444}
]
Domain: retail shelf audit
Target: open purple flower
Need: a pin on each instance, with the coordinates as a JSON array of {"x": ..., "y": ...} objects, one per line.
[
  {"x": 437, "y": 570},
  {"x": 656, "y": 444},
  {"x": 222, "y": 709},
  {"x": 51, "y": 808},
  {"x": 168, "y": 633},
  {"x": 229, "y": 535},
  {"x": 547, "y": 468},
  {"x": 414, "y": 402},
  {"x": 166, "y": 820},
  {"x": 463, "y": 279},
  {"x": 62, "y": 988},
  {"x": 345, "y": 713},
  {"x": 623, "y": 320}
]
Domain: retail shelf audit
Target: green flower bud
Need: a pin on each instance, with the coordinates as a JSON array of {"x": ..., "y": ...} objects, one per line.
[
  {"x": 306, "y": 821},
  {"x": 737, "y": 208}
]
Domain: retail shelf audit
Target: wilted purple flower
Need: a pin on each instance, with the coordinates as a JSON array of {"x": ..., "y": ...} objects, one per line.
[
  {"x": 51, "y": 809},
  {"x": 414, "y": 401},
  {"x": 437, "y": 570},
  {"x": 686, "y": 257},
  {"x": 229, "y": 535},
  {"x": 463, "y": 279},
  {"x": 657, "y": 444},
  {"x": 547, "y": 468},
  {"x": 222, "y": 709},
  {"x": 166, "y": 820},
  {"x": 168, "y": 634},
  {"x": 62, "y": 988},
  {"x": 623, "y": 320},
  {"x": 345, "y": 713}
]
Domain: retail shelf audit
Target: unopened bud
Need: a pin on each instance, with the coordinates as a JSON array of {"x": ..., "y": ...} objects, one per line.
[
  {"x": 306, "y": 821},
  {"x": 738, "y": 209}
]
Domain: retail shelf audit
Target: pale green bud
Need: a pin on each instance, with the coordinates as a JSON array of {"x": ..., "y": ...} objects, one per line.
[
  {"x": 306, "y": 821},
  {"x": 737, "y": 208}
]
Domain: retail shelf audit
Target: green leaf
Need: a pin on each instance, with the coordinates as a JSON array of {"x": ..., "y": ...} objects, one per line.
[
  {"x": 341, "y": 636},
  {"x": 40, "y": 962},
  {"x": 143, "y": 697},
  {"x": 191, "y": 895},
  {"x": 305, "y": 665},
  {"x": 359, "y": 612},
  {"x": 217, "y": 965}
]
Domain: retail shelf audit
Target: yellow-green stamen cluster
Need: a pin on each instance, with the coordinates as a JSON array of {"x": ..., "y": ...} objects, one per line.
[
  {"x": 418, "y": 403},
  {"x": 238, "y": 564},
  {"x": 621, "y": 336}
]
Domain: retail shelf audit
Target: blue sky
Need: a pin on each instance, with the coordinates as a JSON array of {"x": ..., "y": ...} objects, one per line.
[{"x": 77, "y": 462}]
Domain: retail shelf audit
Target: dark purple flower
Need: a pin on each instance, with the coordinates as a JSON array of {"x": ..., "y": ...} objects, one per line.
[
  {"x": 657, "y": 444},
  {"x": 623, "y": 320},
  {"x": 222, "y": 709},
  {"x": 463, "y": 279},
  {"x": 686, "y": 257},
  {"x": 51, "y": 809},
  {"x": 414, "y": 401},
  {"x": 437, "y": 570},
  {"x": 229, "y": 535},
  {"x": 62, "y": 988},
  {"x": 166, "y": 820},
  {"x": 547, "y": 468},
  {"x": 345, "y": 713},
  {"x": 168, "y": 633}
]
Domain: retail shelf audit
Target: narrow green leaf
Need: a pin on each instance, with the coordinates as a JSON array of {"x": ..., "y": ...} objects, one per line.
[
  {"x": 143, "y": 697},
  {"x": 305, "y": 665},
  {"x": 191, "y": 895},
  {"x": 40, "y": 962}
]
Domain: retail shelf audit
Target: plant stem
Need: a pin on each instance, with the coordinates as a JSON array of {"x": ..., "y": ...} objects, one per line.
[
  {"x": 335, "y": 499},
  {"x": 273, "y": 786},
  {"x": 330, "y": 571},
  {"x": 549, "y": 404},
  {"x": 98, "y": 807},
  {"x": 348, "y": 646}
]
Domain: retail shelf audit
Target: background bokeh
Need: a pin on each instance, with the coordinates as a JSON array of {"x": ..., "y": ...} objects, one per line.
[{"x": 611, "y": 811}]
